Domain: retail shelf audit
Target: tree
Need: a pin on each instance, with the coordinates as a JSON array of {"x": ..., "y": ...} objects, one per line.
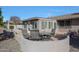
[{"x": 1, "y": 19}]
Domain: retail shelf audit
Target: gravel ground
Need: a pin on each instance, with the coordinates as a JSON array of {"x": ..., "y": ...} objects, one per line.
[
  {"x": 21, "y": 44},
  {"x": 42, "y": 46},
  {"x": 10, "y": 45}
]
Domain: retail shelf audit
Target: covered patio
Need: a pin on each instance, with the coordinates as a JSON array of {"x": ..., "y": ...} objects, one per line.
[{"x": 70, "y": 21}]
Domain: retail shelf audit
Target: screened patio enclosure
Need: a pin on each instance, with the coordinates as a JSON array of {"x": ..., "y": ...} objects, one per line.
[{"x": 40, "y": 24}]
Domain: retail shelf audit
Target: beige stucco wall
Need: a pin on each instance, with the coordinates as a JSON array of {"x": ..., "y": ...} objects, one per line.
[{"x": 75, "y": 24}]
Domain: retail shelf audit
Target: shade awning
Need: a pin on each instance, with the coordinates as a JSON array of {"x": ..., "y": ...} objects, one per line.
[{"x": 65, "y": 17}]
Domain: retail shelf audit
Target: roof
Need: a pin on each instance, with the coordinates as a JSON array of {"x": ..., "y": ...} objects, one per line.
[
  {"x": 35, "y": 18},
  {"x": 65, "y": 17}
]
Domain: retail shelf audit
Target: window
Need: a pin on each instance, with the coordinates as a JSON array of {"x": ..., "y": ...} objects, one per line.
[
  {"x": 67, "y": 23},
  {"x": 44, "y": 25},
  {"x": 11, "y": 27},
  {"x": 50, "y": 25},
  {"x": 54, "y": 25},
  {"x": 64, "y": 23},
  {"x": 34, "y": 25},
  {"x": 61, "y": 23},
  {"x": 25, "y": 25}
]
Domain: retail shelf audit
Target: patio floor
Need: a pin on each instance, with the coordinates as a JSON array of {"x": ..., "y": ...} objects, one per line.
[{"x": 42, "y": 46}]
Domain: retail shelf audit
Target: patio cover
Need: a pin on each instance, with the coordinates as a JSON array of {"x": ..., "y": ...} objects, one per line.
[{"x": 66, "y": 17}]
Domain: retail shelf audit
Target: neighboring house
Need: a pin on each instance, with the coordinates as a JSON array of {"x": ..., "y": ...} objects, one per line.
[
  {"x": 41, "y": 24},
  {"x": 14, "y": 23}
]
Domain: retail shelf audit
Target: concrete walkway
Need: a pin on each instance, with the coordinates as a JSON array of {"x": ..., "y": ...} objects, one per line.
[{"x": 42, "y": 46}]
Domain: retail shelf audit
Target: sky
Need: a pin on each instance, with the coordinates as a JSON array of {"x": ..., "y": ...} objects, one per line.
[{"x": 25, "y": 12}]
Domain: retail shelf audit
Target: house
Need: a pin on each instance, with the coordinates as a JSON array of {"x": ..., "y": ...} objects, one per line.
[
  {"x": 62, "y": 23},
  {"x": 14, "y": 23},
  {"x": 40, "y": 24}
]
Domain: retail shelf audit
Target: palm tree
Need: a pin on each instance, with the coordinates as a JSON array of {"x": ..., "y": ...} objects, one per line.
[{"x": 1, "y": 19}]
